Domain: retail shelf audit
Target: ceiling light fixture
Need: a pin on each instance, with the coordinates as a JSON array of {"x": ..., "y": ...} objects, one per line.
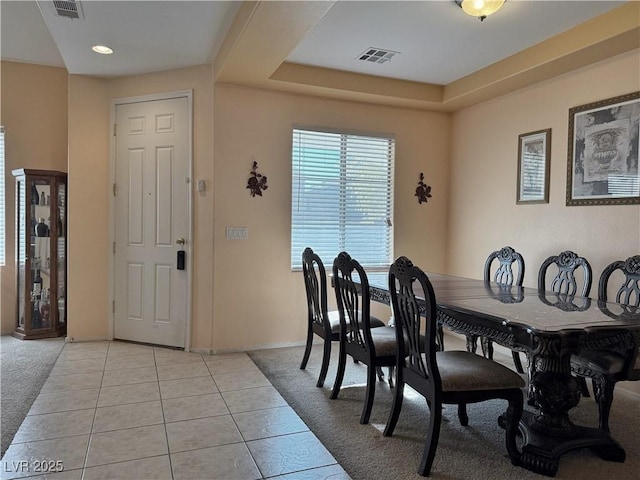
[
  {"x": 480, "y": 9},
  {"x": 102, "y": 49}
]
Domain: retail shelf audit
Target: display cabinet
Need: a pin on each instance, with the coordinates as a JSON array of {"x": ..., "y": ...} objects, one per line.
[{"x": 41, "y": 253}]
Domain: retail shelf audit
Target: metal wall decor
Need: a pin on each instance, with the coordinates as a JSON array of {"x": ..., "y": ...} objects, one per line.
[
  {"x": 423, "y": 191},
  {"x": 257, "y": 182}
]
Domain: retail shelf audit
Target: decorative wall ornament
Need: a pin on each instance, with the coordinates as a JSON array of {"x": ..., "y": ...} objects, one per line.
[
  {"x": 423, "y": 191},
  {"x": 257, "y": 182}
]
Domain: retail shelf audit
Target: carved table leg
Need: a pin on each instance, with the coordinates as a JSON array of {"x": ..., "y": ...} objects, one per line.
[{"x": 549, "y": 433}]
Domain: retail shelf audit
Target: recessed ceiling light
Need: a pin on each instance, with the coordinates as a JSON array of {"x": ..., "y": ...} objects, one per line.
[{"x": 104, "y": 50}]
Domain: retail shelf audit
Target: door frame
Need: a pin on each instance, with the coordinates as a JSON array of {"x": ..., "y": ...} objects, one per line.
[{"x": 188, "y": 94}]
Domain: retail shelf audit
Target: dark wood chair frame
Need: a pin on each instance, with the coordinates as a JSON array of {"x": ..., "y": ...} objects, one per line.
[
  {"x": 354, "y": 301},
  {"x": 564, "y": 282},
  {"x": 629, "y": 295},
  {"x": 421, "y": 372},
  {"x": 503, "y": 276},
  {"x": 565, "y": 285},
  {"x": 315, "y": 282}
]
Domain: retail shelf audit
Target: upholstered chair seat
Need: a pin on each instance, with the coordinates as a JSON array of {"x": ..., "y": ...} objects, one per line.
[
  {"x": 463, "y": 371},
  {"x": 334, "y": 321}
]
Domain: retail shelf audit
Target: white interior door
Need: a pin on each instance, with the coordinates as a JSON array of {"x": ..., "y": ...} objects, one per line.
[{"x": 152, "y": 172}]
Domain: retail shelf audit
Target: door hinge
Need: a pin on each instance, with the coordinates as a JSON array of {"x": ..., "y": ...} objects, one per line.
[
  {"x": 114, "y": 248},
  {"x": 113, "y": 307},
  {"x": 115, "y": 189},
  {"x": 115, "y": 127}
]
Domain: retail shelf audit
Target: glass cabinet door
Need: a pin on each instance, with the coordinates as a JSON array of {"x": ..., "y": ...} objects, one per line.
[
  {"x": 41, "y": 253},
  {"x": 41, "y": 261},
  {"x": 61, "y": 252}
]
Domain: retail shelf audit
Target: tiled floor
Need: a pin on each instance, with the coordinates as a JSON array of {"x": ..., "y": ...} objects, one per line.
[{"x": 114, "y": 410}]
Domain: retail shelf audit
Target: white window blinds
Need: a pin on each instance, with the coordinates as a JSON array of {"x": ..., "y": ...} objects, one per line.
[
  {"x": 2, "y": 200},
  {"x": 342, "y": 197}
]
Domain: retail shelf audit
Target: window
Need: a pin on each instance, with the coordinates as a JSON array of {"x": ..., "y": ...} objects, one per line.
[
  {"x": 2, "y": 207},
  {"x": 342, "y": 197}
]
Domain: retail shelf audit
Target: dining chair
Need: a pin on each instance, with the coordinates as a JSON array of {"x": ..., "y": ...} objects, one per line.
[
  {"x": 507, "y": 258},
  {"x": 621, "y": 360},
  {"x": 564, "y": 281},
  {"x": 565, "y": 285},
  {"x": 325, "y": 324},
  {"x": 375, "y": 347},
  {"x": 443, "y": 377}
]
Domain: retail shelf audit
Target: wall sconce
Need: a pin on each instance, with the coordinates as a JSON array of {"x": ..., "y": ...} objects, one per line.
[
  {"x": 256, "y": 182},
  {"x": 480, "y": 9},
  {"x": 423, "y": 191}
]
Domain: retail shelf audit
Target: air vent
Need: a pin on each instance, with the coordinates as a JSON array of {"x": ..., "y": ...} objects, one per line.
[
  {"x": 68, "y": 8},
  {"x": 377, "y": 55}
]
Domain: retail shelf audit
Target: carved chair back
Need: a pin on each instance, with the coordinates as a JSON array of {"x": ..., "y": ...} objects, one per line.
[
  {"x": 504, "y": 275},
  {"x": 564, "y": 282},
  {"x": 315, "y": 282},
  {"x": 629, "y": 291},
  {"x": 353, "y": 303},
  {"x": 629, "y": 295},
  {"x": 404, "y": 277}
]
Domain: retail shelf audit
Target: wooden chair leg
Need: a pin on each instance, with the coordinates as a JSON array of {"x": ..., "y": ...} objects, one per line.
[
  {"x": 326, "y": 355},
  {"x": 342, "y": 359},
  {"x": 514, "y": 414},
  {"x": 392, "y": 371},
  {"x": 603, "y": 392},
  {"x": 472, "y": 343},
  {"x": 487, "y": 347},
  {"x": 307, "y": 350},
  {"x": 369, "y": 394},
  {"x": 431, "y": 443},
  {"x": 396, "y": 406},
  {"x": 462, "y": 414},
  {"x": 517, "y": 362},
  {"x": 582, "y": 384},
  {"x": 380, "y": 374},
  {"x": 440, "y": 337}
]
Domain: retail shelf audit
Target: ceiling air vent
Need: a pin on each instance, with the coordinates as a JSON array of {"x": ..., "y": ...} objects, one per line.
[
  {"x": 68, "y": 8},
  {"x": 377, "y": 55}
]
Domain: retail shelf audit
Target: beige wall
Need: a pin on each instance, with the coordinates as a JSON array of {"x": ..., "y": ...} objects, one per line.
[
  {"x": 258, "y": 300},
  {"x": 245, "y": 295},
  {"x": 88, "y": 234},
  {"x": 483, "y": 212},
  {"x": 34, "y": 113},
  {"x": 89, "y": 177}
]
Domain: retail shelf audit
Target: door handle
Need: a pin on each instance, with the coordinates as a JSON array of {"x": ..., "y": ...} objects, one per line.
[{"x": 180, "y": 241}]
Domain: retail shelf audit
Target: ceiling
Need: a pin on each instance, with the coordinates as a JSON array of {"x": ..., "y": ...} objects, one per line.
[{"x": 314, "y": 47}]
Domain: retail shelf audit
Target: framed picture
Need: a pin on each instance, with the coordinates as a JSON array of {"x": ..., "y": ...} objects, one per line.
[
  {"x": 602, "y": 165},
  {"x": 534, "y": 154}
]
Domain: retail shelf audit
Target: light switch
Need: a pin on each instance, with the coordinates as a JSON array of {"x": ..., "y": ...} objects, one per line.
[
  {"x": 201, "y": 185},
  {"x": 237, "y": 233}
]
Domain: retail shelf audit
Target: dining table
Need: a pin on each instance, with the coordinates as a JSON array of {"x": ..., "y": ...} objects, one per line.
[{"x": 548, "y": 328}]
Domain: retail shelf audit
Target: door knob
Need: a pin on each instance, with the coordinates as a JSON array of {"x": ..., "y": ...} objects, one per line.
[{"x": 180, "y": 241}]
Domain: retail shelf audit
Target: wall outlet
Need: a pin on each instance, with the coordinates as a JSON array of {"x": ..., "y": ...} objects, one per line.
[{"x": 237, "y": 233}]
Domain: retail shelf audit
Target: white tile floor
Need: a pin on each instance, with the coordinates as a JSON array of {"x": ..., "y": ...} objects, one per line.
[{"x": 114, "y": 410}]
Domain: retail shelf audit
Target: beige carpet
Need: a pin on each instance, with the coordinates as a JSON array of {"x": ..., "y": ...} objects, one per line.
[
  {"x": 24, "y": 367},
  {"x": 473, "y": 452}
]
